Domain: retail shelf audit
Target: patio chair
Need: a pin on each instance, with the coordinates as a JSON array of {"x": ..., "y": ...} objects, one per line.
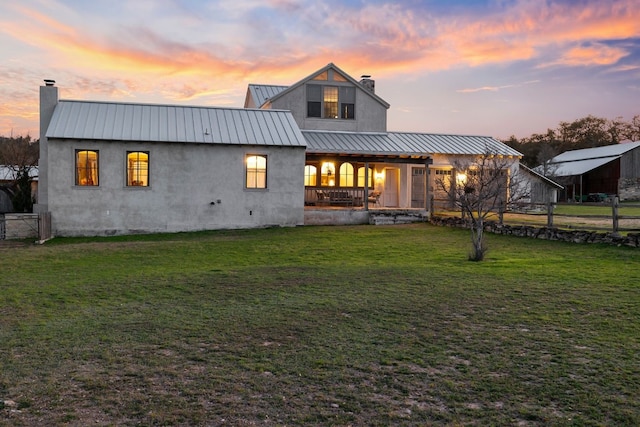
[{"x": 374, "y": 197}]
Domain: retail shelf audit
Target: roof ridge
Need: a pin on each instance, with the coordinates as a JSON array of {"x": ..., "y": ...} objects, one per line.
[{"x": 151, "y": 104}]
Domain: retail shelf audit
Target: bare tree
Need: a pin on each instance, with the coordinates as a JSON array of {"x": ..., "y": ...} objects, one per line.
[
  {"x": 20, "y": 155},
  {"x": 545, "y": 155},
  {"x": 481, "y": 187}
]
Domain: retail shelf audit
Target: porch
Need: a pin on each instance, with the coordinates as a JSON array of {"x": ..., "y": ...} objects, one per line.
[{"x": 341, "y": 215}]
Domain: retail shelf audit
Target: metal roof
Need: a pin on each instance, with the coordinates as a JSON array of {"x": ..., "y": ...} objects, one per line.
[
  {"x": 596, "y": 152},
  {"x": 579, "y": 167},
  {"x": 540, "y": 176},
  {"x": 262, "y": 93},
  {"x": 402, "y": 143},
  {"x": 172, "y": 123},
  {"x": 8, "y": 173},
  {"x": 578, "y": 162}
]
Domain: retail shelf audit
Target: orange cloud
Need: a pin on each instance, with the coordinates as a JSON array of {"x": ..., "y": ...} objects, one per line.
[
  {"x": 380, "y": 39},
  {"x": 596, "y": 54}
]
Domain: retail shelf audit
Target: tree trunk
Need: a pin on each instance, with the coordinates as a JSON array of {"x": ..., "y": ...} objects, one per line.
[{"x": 477, "y": 240}]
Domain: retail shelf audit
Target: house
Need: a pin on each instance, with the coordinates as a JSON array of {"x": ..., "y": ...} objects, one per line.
[
  {"x": 317, "y": 151},
  {"x": 349, "y": 148},
  {"x": 592, "y": 173},
  {"x": 118, "y": 168}
]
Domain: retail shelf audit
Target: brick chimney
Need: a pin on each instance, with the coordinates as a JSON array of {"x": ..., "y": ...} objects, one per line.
[{"x": 48, "y": 102}]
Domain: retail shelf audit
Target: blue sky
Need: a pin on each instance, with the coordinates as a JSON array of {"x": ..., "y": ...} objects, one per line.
[{"x": 494, "y": 67}]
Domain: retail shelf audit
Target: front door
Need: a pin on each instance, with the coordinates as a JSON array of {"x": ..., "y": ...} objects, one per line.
[
  {"x": 391, "y": 191},
  {"x": 418, "y": 183}
]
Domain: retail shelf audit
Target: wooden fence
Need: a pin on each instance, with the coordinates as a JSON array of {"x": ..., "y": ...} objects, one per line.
[
  {"x": 545, "y": 214},
  {"x": 25, "y": 226}
]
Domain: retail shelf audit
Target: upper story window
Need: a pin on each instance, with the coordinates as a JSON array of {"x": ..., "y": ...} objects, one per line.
[
  {"x": 256, "y": 171},
  {"x": 137, "y": 169},
  {"x": 331, "y": 102},
  {"x": 347, "y": 102},
  {"x": 87, "y": 168},
  {"x": 328, "y": 101},
  {"x": 322, "y": 76}
]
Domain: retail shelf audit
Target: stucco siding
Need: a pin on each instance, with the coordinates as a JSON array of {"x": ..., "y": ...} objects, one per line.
[
  {"x": 192, "y": 187},
  {"x": 370, "y": 115}
]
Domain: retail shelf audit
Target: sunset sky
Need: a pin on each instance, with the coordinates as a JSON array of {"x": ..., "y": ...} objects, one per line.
[{"x": 481, "y": 67}]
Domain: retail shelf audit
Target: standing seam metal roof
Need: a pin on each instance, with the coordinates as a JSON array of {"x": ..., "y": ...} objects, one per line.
[
  {"x": 596, "y": 152},
  {"x": 171, "y": 123},
  {"x": 262, "y": 93},
  {"x": 402, "y": 143},
  {"x": 578, "y": 162}
]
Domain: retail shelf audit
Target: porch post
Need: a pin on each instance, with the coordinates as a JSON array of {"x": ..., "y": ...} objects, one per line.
[
  {"x": 366, "y": 186},
  {"x": 427, "y": 162}
]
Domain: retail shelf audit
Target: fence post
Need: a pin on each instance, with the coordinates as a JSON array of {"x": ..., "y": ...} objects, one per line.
[
  {"x": 549, "y": 214},
  {"x": 44, "y": 226},
  {"x": 614, "y": 214}
]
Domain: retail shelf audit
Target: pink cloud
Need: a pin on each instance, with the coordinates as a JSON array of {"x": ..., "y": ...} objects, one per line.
[
  {"x": 595, "y": 54},
  {"x": 383, "y": 39}
]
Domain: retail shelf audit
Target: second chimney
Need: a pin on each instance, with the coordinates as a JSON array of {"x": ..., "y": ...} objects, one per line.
[{"x": 367, "y": 83}]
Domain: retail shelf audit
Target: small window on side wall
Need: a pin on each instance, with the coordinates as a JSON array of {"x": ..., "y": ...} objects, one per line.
[
  {"x": 256, "y": 167},
  {"x": 87, "y": 168},
  {"x": 137, "y": 169}
]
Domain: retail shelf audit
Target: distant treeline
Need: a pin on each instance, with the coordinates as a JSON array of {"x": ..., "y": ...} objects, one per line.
[
  {"x": 587, "y": 132},
  {"x": 19, "y": 151}
]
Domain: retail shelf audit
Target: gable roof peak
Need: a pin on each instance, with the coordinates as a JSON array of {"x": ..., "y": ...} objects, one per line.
[{"x": 366, "y": 89}]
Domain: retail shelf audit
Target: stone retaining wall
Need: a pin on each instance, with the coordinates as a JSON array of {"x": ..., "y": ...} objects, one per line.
[
  {"x": 574, "y": 236},
  {"x": 629, "y": 189}
]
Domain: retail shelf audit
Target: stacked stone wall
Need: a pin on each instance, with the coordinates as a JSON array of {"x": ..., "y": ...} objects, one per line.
[
  {"x": 546, "y": 233},
  {"x": 629, "y": 189}
]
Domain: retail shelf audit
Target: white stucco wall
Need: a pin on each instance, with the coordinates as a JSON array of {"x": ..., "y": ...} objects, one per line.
[{"x": 184, "y": 180}]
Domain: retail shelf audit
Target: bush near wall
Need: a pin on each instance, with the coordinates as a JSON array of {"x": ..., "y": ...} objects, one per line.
[{"x": 574, "y": 236}]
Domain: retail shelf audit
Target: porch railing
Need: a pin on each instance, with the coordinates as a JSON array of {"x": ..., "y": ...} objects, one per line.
[{"x": 336, "y": 196}]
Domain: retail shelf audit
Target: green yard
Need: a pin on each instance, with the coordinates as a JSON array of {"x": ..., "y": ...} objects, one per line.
[{"x": 360, "y": 326}]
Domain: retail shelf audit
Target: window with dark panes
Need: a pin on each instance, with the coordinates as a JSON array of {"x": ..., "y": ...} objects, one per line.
[
  {"x": 314, "y": 101},
  {"x": 347, "y": 102}
]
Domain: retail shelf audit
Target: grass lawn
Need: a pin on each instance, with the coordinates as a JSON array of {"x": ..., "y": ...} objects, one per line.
[{"x": 360, "y": 326}]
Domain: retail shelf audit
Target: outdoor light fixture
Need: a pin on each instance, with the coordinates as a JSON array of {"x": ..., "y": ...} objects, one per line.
[{"x": 461, "y": 178}]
